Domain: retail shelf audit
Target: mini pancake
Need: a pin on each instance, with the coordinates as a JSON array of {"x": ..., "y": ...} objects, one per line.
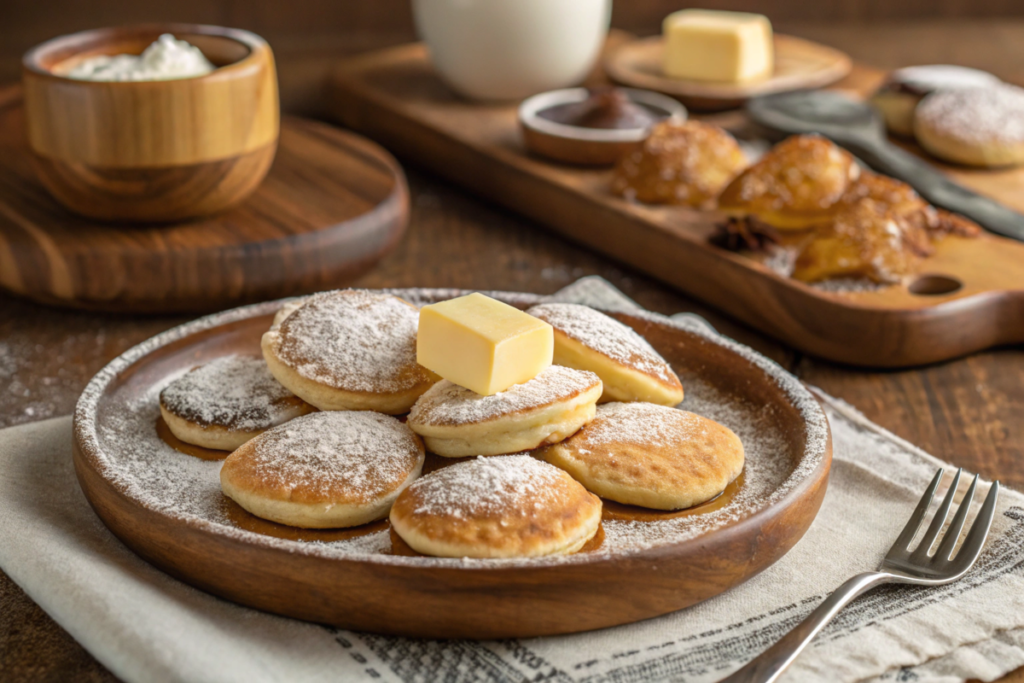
[
  {"x": 349, "y": 350},
  {"x": 509, "y": 506},
  {"x": 325, "y": 470},
  {"x": 226, "y": 402},
  {"x": 456, "y": 422},
  {"x": 629, "y": 367},
  {"x": 649, "y": 455},
  {"x": 904, "y": 89},
  {"x": 973, "y": 126}
]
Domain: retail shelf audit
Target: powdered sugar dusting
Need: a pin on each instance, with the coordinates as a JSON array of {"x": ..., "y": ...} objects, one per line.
[
  {"x": 605, "y": 335},
  {"x": 116, "y": 429},
  {"x": 353, "y": 339},
  {"x": 643, "y": 423},
  {"x": 235, "y": 392},
  {"x": 358, "y": 453},
  {"x": 490, "y": 487},
  {"x": 976, "y": 115},
  {"x": 449, "y": 404}
]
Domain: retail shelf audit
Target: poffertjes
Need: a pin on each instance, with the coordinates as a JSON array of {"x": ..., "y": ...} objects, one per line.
[
  {"x": 650, "y": 455},
  {"x": 502, "y": 506},
  {"x": 456, "y": 422},
  {"x": 629, "y": 367},
  {"x": 349, "y": 350},
  {"x": 324, "y": 470}
]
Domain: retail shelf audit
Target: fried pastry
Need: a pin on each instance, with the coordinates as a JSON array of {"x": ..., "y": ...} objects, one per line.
[
  {"x": 508, "y": 506},
  {"x": 324, "y": 470},
  {"x": 974, "y": 126},
  {"x": 629, "y": 367},
  {"x": 685, "y": 163},
  {"x": 349, "y": 350},
  {"x": 794, "y": 185},
  {"x": 226, "y": 402},
  {"x": 650, "y": 455},
  {"x": 456, "y": 422}
]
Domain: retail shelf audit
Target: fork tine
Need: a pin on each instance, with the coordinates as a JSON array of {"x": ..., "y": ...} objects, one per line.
[
  {"x": 910, "y": 530},
  {"x": 921, "y": 553},
  {"x": 945, "y": 551},
  {"x": 978, "y": 532}
]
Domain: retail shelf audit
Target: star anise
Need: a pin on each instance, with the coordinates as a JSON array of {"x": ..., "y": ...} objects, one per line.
[{"x": 744, "y": 234}]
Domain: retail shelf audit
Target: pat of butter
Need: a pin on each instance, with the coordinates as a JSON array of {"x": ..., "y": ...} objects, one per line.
[
  {"x": 726, "y": 47},
  {"x": 482, "y": 344}
]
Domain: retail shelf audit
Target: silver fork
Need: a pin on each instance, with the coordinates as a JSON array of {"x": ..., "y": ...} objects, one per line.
[{"x": 901, "y": 565}]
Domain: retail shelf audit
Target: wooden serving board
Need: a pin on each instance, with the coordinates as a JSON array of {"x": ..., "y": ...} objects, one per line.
[
  {"x": 331, "y": 206},
  {"x": 167, "y": 506},
  {"x": 395, "y": 97}
]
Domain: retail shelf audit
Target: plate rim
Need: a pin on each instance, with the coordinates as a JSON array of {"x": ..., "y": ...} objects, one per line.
[{"x": 86, "y": 447}]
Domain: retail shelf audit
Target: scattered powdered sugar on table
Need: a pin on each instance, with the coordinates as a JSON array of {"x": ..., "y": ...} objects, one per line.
[
  {"x": 129, "y": 453},
  {"x": 976, "y": 115},
  {"x": 605, "y": 335},
  {"x": 237, "y": 392},
  {"x": 488, "y": 487},
  {"x": 362, "y": 453},
  {"x": 353, "y": 339},
  {"x": 449, "y": 404}
]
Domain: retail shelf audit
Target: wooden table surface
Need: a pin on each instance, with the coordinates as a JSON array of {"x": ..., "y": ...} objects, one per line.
[{"x": 966, "y": 411}]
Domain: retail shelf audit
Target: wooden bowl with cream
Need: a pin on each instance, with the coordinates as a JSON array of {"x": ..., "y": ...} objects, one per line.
[{"x": 168, "y": 147}]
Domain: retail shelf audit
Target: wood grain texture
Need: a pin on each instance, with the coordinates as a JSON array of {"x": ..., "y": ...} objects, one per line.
[
  {"x": 331, "y": 206},
  {"x": 479, "y": 602},
  {"x": 393, "y": 96},
  {"x": 799, "y": 64},
  {"x": 152, "y": 150},
  {"x": 455, "y": 240}
]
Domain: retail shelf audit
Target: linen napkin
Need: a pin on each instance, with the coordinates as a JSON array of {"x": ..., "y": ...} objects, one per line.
[{"x": 146, "y": 626}]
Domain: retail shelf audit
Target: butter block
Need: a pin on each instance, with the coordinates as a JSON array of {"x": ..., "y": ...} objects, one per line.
[
  {"x": 724, "y": 47},
  {"x": 482, "y": 344}
]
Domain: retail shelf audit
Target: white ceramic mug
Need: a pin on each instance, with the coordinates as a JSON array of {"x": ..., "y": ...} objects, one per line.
[{"x": 511, "y": 49}]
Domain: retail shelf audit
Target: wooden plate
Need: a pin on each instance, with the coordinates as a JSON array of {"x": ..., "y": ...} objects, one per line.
[
  {"x": 168, "y": 508},
  {"x": 799, "y": 64},
  {"x": 332, "y": 205},
  {"x": 968, "y": 296}
]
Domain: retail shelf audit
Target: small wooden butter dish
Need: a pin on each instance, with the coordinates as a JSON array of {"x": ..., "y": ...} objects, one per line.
[
  {"x": 592, "y": 127},
  {"x": 159, "y": 150}
]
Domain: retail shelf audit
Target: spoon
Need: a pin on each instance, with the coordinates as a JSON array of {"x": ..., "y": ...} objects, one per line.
[{"x": 857, "y": 127}]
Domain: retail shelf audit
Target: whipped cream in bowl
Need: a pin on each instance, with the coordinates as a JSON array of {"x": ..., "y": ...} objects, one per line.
[{"x": 165, "y": 59}]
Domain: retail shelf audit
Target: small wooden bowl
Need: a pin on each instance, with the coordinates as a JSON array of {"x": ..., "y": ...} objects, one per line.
[
  {"x": 152, "y": 150},
  {"x": 580, "y": 145}
]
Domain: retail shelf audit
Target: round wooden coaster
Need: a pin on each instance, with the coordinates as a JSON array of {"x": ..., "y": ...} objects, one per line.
[
  {"x": 332, "y": 205},
  {"x": 799, "y": 64}
]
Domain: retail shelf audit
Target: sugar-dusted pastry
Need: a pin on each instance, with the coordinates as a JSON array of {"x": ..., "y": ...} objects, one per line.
[
  {"x": 349, "y": 350},
  {"x": 630, "y": 369},
  {"x": 684, "y": 163},
  {"x": 226, "y": 402},
  {"x": 794, "y": 185},
  {"x": 287, "y": 309},
  {"x": 863, "y": 240},
  {"x": 508, "y": 506},
  {"x": 650, "y": 455},
  {"x": 456, "y": 422},
  {"x": 973, "y": 126},
  {"x": 904, "y": 89},
  {"x": 324, "y": 470}
]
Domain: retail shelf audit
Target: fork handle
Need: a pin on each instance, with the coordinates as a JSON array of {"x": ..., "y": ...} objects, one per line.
[{"x": 770, "y": 664}]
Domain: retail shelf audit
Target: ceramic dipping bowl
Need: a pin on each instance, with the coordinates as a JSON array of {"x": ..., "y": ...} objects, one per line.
[
  {"x": 582, "y": 145},
  {"x": 152, "y": 151}
]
